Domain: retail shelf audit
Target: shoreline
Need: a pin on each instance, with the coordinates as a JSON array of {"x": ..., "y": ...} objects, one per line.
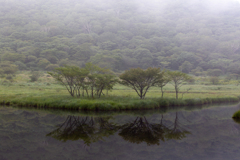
[{"x": 108, "y": 103}]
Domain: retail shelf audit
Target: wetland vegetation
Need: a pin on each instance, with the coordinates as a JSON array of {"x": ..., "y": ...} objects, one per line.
[
  {"x": 46, "y": 92},
  {"x": 201, "y": 41},
  {"x": 119, "y": 79}
]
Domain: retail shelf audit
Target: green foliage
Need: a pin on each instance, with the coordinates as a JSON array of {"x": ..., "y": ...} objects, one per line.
[
  {"x": 177, "y": 80},
  {"x": 20, "y": 65},
  {"x": 181, "y": 39},
  {"x": 9, "y": 77},
  {"x": 34, "y": 76},
  {"x": 80, "y": 80},
  {"x": 141, "y": 80},
  {"x": 214, "y": 80},
  {"x": 8, "y": 67},
  {"x": 13, "y": 57},
  {"x": 214, "y": 72},
  {"x": 51, "y": 67},
  {"x": 69, "y": 76},
  {"x": 164, "y": 81},
  {"x": 186, "y": 67},
  {"x": 112, "y": 103},
  {"x": 236, "y": 115},
  {"x": 43, "y": 63}
]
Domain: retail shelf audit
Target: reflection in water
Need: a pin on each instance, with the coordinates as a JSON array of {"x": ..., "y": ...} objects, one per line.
[
  {"x": 140, "y": 130},
  {"x": 88, "y": 129},
  {"x": 91, "y": 130},
  {"x": 214, "y": 135},
  {"x": 177, "y": 132},
  {"x": 237, "y": 120}
]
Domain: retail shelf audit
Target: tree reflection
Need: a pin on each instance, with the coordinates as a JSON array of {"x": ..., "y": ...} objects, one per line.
[
  {"x": 88, "y": 129},
  {"x": 140, "y": 130},
  {"x": 93, "y": 129},
  {"x": 177, "y": 132}
]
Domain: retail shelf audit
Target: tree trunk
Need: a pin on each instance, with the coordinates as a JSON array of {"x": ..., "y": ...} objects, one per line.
[
  {"x": 87, "y": 92},
  {"x": 92, "y": 92},
  {"x": 176, "y": 89},
  {"x": 82, "y": 92},
  {"x": 162, "y": 91}
]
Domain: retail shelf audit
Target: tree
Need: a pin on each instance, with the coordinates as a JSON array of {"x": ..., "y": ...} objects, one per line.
[
  {"x": 186, "y": 67},
  {"x": 92, "y": 79},
  {"x": 51, "y": 67},
  {"x": 34, "y": 77},
  {"x": 105, "y": 81},
  {"x": 234, "y": 68},
  {"x": 13, "y": 57},
  {"x": 164, "y": 81},
  {"x": 214, "y": 72},
  {"x": 141, "y": 80},
  {"x": 8, "y": 68},
  {"x": 78, "y": 80},
  {"x": 214, "y": 80},
  {"x": 177, "y": 79},
  {"x": 43, "y": 63},
  {"x": 69, "y": 77}
]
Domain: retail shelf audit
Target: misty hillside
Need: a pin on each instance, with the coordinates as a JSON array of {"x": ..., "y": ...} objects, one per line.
[{"x": 188, "y": 35}]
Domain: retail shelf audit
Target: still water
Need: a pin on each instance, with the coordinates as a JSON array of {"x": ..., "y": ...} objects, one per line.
[{"x": 175, "y": 134}]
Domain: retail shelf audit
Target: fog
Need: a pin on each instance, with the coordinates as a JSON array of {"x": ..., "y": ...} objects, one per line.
[{"x": 193, "y": 36}]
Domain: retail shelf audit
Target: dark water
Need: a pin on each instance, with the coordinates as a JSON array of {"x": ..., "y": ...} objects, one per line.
[{"x": 197, "y": 134}]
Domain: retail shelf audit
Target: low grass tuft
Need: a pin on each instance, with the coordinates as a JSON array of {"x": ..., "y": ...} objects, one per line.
[{"x": 236, "y": 115}]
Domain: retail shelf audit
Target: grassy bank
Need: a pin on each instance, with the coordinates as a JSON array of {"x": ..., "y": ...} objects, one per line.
[
  {"x": 105, "y": 103},
  {"x": 46, "y": 93}
]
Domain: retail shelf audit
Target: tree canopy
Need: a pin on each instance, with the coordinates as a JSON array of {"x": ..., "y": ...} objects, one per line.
[
  {"x": 141, "y": 80},
  {"x": 79, "y": 80},
  {"x": 120, "y": 35},
  {"x": 177, "y": 80}
]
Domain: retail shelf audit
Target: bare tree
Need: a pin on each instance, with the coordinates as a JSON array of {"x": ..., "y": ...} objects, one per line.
[
  {"x": 186, "y": 91},
  {"x": 87, "y": 28}
]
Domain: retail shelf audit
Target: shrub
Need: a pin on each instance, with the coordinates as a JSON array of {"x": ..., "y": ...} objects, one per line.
[
  {"x": 34, "y": 77},
  {"x": 21, "y": 66},
  {"x": 51, "y": 67},
  {"x": 214, "y": 80},
  {"x": 9, "y": 77},
  {"x": 236, "y": 115}
]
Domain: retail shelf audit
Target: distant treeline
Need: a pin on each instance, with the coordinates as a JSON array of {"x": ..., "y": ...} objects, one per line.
[{"x": 186, "y": 35}]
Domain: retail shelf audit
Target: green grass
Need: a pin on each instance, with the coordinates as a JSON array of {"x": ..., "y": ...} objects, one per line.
[
  {"x": 236, "y": 115},
  {"x": 115, "y": 103},
  {"x": 46, "y": 93}
]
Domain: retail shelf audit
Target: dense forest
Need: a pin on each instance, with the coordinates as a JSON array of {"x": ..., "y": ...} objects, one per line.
[{"x": 193, "y": 36}]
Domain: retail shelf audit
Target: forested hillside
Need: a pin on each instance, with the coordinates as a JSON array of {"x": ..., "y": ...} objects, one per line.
[{"x": 187, "y": 35}]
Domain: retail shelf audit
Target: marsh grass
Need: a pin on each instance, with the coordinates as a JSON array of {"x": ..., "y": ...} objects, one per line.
[
  {"x": 236, "y": 115},
  {"x": 114, "y": 103},
  {"x": 46, "y": 93}
]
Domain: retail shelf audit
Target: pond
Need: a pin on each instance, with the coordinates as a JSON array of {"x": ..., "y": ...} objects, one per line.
[{"x": 188, "y": 133}]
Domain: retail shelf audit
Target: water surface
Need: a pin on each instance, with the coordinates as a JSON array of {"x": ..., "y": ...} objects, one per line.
[{"x": 194, "y": 134}]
